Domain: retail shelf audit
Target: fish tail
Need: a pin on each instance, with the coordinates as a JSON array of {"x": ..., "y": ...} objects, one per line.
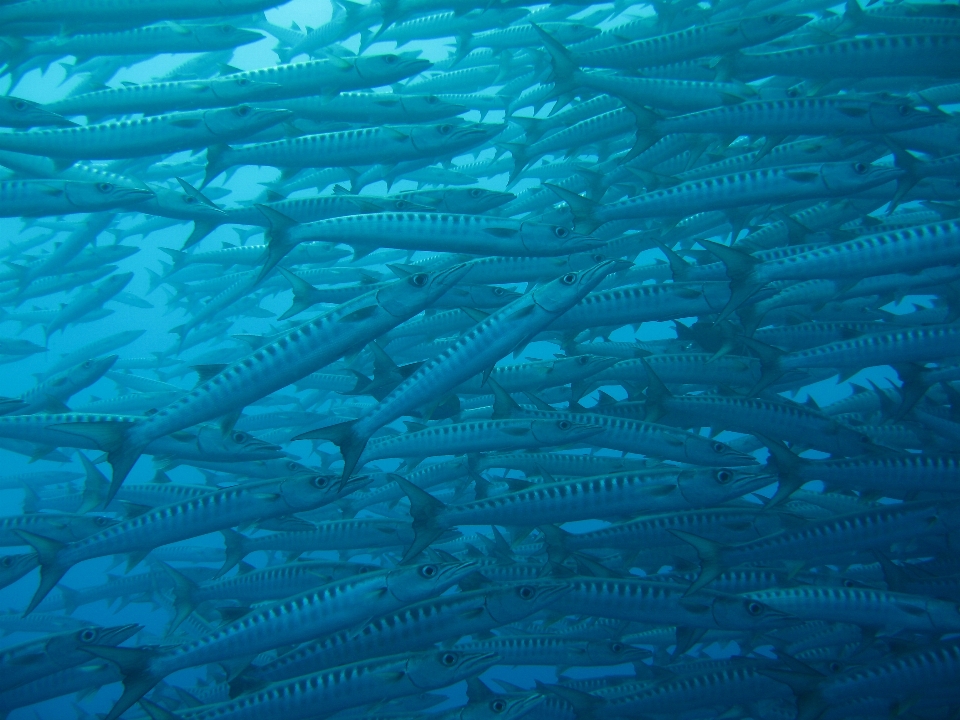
[
  {"x": 134, "y": 665},
  {"x": 424, "y": 508},
  {"x": 711, "y": 565},
  {"x": 343, "y": 436},
  {"x": 51, "y": 568}
]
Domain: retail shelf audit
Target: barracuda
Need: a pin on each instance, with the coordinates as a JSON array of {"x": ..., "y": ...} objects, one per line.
[
  {"x": 36, "y": 198},
  {"x": 875, "y": 528},
  {"x": 477, "y": 351},
  {"x": 412, "y": 628},
  {"x": 468, "y": 234},
  {"x": 155, "y": 98},
  {"x": 628, "y": 435},
  {"x": 170, "y": 523},
  {"x": 352, "y": 147},
  {"x": 133, "y": 138},
  {"x": 348, "y": 686},
  {"x": 601, "y": 497},
  {"x": 698, "y": 41},
  {"x": 482, "y": 436},
  {"x": 296, "y": 619},
  {"x": 754, "y": 187},
  {"x": 296, "y": 354}
]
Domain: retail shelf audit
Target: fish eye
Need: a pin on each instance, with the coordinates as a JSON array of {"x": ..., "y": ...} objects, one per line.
[
  {"x": 498, "y": 291},
  {"x": 7, "y": 561},
  {"x": 444, "y": 129},
  {"x": 526, "y": 592},
  {"x": 569, "y": 279},
  {"x": 226, "y": 29},
  {"x": 431, "y": 99},
  {"x": 793, "y": 93},
  {"x": 771, "y": 19},
  {"x": 583, "y": 360},
  {"x": 292, "y": 466},
  {"x": 904, "y": 109},
  {"x": 189, "y": 200},
  {"x": 88, "y": 635},
  {"x": 476, "y": 192},
  {"x": 724, "y": 476},
  {"x": 616, "y": 647},
  {"x": 449, "y": 659},
  {"x": 561, "y": 232},
  {"x": 719, "y": 447},
  {"x": 835, "y": 667},
  {"x": 321, "y": 481},
  {"x": 563, "y": 424},
  {"x": 865, "y": 439},
  {"x": 105, "y": 187},
  {"x": 243, "y": 81},
  {"x": 19, "y": 105},
  {"x": 428, "y": 571},
  {"x": 88, "y": 363},
  {"x": 420, "y": 279},
  {"x": 754, "y": 608},
  {"x": 243, "y": 110},
  {"x": 859, "y": 168},
  {"x": 101, "y": 521},
  {"x": 597, "y": 258},
  {"x": 390, "y": 59},
  {"x": 239, "y": 437},
  {"x": 498, "y": 705}
]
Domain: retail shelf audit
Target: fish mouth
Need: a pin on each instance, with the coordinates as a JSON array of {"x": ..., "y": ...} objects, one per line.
[
  {"x": 477, "y": 662},
  {"x": 116, "y": 635}
]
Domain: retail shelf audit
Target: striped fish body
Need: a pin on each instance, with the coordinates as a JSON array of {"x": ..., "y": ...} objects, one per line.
[
  {"x": 698, "y": 41},
  {"x": 154, "y": 134},
  {"x": 37, "y": 198},
  {"x": 807, "y": 116},
  {"x": 891, "y": 55},
  {"x": 722, "y": 525},
  {"x": 366, "y": 146},
  {"x": 296, "y": 354},
  {"x": 154, "y": 98},
  {"x": 751, "y": 187},
  {"x": 303, "y": 617},
  {"x": 481, "y": 436},
  {"x": 137, "y": 12},
  {"x": 857, "y": 605},
  {"x": 882, "y": 348},
  {"x": 149, "y": 40},
  {"x": 645, "y": 303},
  {"x": 440, "y": 232}
]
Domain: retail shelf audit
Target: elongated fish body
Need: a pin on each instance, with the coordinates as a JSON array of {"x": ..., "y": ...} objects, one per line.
[
  {"x": 713, "y": 39},
  {"x": 603, "y": 497},
  {"x": 753, "y": 187},
  {"x": 37, "y": 198},
  {"x": 478, "y": 350},
  {"x": 157, "y": 133},
  {"x": 676, "y": 95},
  {"x": 302, "y": 617},
  {"x": 413, "y": 628},
  {"x": 893, "y": 55},
  {"x": 147, "y": 40},
  {"x": 824, "y": 116},
  {"x": 351, "y": 685},
  {"x": 735, "y": 525},
  {"x": 478, "y": 437},
  {"x": 780, "y": 418},
  {"x": 296, "y": 80},
  {"x": 881, "y": 348},
  {"x": 132, "y": 11},
  {"x": 171, "y": 523},
  {"x": 153, "y": 98},
  {"x": 637, "y": 599},
  {"x": 352, "y": 147},
  {"x": 295, "y": 355},
  {"x": 856, "y": 604}
]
